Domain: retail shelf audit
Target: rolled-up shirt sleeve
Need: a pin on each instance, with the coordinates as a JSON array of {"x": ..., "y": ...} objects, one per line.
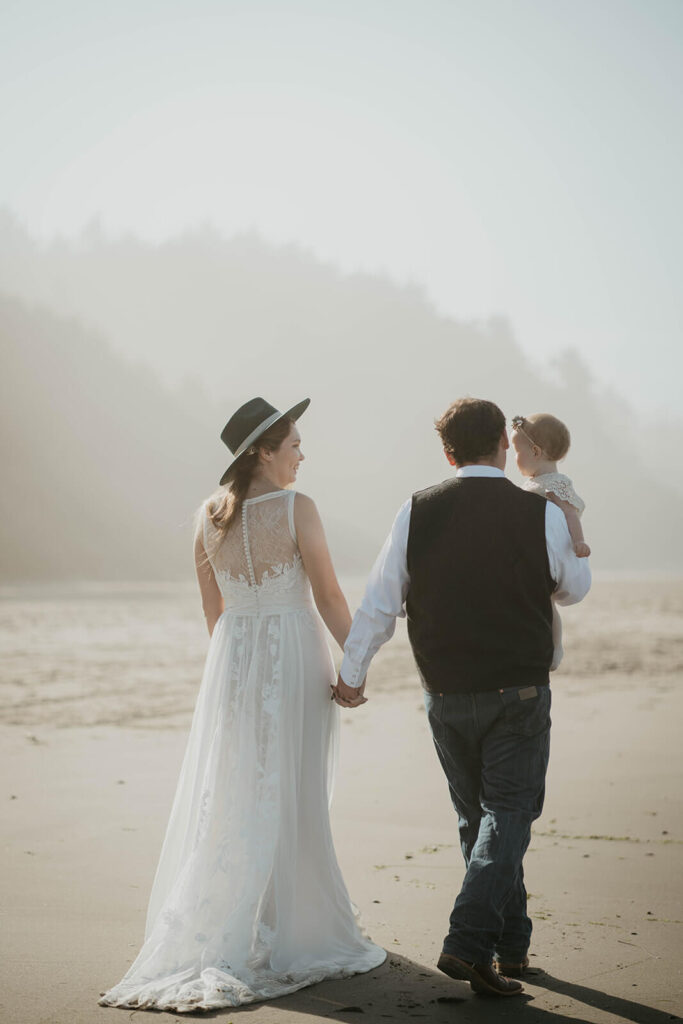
[
  {"x": 572, "y": 574},
  {"x": 383, "y": 602}
]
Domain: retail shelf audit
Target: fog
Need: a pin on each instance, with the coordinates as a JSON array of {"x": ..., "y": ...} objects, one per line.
[
  {"x": 378, "y": 206},
  {"x": 122, "y": 360},
  {"x": 518, "y": 158}
]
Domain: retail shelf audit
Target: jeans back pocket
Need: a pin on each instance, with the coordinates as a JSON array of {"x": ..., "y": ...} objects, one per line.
[{"x": 526, "y": 713}]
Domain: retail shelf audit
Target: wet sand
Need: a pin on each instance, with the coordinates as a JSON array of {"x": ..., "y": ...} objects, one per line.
[{"x": 97, "y": 687}]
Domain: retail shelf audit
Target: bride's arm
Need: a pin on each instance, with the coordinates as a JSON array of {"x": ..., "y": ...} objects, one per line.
[
  {"x": 212, "y": 600},
  {"x": 327, "y": 593}
]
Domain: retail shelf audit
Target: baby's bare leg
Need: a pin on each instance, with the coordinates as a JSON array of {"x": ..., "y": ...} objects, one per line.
[{"x": 581, "y": 549}]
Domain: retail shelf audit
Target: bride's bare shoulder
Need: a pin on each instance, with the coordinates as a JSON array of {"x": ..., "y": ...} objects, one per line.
[
  {"x": 305, "y": 511},
  {"x": 303, "y": 503},
  {"x": 303, "y": 500}
]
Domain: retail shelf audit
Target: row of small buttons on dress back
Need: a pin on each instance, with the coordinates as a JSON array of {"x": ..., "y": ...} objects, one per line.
[{"x": 247, "y": 552}]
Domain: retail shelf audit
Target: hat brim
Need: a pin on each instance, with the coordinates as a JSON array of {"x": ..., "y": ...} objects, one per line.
[{"x": 294, "y": 413}]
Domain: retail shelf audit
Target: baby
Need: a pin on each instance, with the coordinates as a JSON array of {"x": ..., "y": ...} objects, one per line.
[{"x": 540, "y": 441}]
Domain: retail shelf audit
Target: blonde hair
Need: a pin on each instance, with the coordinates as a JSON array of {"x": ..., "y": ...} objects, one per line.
[{"x": 549, "y": 433}]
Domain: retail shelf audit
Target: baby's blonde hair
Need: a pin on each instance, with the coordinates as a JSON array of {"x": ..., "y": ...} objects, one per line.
[{"x": 548, "y": 433}]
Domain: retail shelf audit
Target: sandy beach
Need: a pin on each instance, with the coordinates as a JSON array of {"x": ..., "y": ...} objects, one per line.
[{"x": 97, "y": 686}]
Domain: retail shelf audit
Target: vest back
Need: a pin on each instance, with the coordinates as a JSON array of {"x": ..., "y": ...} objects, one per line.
[{"x": 478, "y": 605}]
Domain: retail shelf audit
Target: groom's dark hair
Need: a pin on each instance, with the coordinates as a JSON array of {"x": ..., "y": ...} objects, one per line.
[{"x": 471, "y": 429}]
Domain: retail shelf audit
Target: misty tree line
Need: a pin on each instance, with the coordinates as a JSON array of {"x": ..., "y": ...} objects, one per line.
[{"x": 122, "y": 360}]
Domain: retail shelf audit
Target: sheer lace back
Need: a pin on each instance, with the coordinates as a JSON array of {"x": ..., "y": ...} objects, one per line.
[{"x": 258, "y": 559}]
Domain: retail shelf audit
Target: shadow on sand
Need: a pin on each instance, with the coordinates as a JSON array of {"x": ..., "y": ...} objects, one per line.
[{"x": 401, "y": 990}]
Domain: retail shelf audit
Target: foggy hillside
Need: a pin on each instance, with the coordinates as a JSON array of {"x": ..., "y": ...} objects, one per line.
[
  {"x": 102, "y": 469},
  {"x": 99, "y": 465},
  {"x": 114, "y": 419}
]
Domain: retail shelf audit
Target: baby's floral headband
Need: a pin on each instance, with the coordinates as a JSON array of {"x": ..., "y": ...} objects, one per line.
[{"x": 518, "y": 425}]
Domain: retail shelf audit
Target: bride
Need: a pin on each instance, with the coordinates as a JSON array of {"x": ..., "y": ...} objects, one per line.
[{"x": 248, "y": 901}]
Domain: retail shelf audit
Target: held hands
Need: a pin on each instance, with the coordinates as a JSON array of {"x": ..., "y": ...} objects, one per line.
[
  {"x": 348, "y": 696},
  {"x": 581, "y": 549}
]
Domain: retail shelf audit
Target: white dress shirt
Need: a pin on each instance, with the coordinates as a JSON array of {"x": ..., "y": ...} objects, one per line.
[{"x": 387, "y": 587}]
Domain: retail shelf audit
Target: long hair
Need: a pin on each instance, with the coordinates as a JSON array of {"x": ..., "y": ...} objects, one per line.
[{"x": 226, "y": 506}]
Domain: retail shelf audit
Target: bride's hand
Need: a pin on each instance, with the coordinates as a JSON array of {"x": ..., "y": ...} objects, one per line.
[{"x": 348, "y": 696}]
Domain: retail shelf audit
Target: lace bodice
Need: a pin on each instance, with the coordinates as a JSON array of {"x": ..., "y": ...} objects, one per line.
[
  {"x": 257, "y": 565},
  {"x": 559, "y": 484}
]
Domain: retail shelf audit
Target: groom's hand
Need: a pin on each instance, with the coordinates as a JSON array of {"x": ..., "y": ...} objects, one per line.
[{"x": 348, "y": 696}]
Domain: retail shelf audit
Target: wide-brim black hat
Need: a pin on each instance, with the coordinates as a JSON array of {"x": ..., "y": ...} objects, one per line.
[{"x": 249, "y": 423}]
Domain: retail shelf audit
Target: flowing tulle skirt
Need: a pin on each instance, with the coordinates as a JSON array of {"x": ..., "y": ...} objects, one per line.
[{"x": 248, "y": 901}]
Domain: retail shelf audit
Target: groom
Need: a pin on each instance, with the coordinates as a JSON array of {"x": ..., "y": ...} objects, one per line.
[{"x": 473, "y": 562}]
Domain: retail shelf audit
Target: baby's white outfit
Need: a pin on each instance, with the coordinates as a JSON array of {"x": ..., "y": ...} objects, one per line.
[{"x": 562, "y": 486}]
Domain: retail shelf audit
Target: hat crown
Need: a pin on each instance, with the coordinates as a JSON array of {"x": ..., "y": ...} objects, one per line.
[
  {"x": 245, "y": 421},
  {"x": 249, "y": 423}
]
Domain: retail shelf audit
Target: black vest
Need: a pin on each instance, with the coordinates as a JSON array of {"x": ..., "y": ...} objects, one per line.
[{"x": 478, "y": 605}]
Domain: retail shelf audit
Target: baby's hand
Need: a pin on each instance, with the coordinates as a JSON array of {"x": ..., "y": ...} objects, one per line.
[{"x": 581, "y": 549}]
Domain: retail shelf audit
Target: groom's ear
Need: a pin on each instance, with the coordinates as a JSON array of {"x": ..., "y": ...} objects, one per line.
[{"x": 450, "y": 458}]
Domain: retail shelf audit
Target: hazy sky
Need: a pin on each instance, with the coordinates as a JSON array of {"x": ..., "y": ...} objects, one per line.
[{"x": 513, "y": 156}]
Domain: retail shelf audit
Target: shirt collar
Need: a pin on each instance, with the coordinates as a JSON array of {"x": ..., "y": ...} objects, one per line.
[{"x": 480, "y": 471}]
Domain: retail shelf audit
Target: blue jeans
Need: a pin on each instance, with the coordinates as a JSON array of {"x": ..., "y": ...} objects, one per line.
[{"x": 494, "y": 749}]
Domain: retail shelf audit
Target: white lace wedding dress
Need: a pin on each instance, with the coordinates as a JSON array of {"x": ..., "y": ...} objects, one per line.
[{"x": 248, "y": 901}]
